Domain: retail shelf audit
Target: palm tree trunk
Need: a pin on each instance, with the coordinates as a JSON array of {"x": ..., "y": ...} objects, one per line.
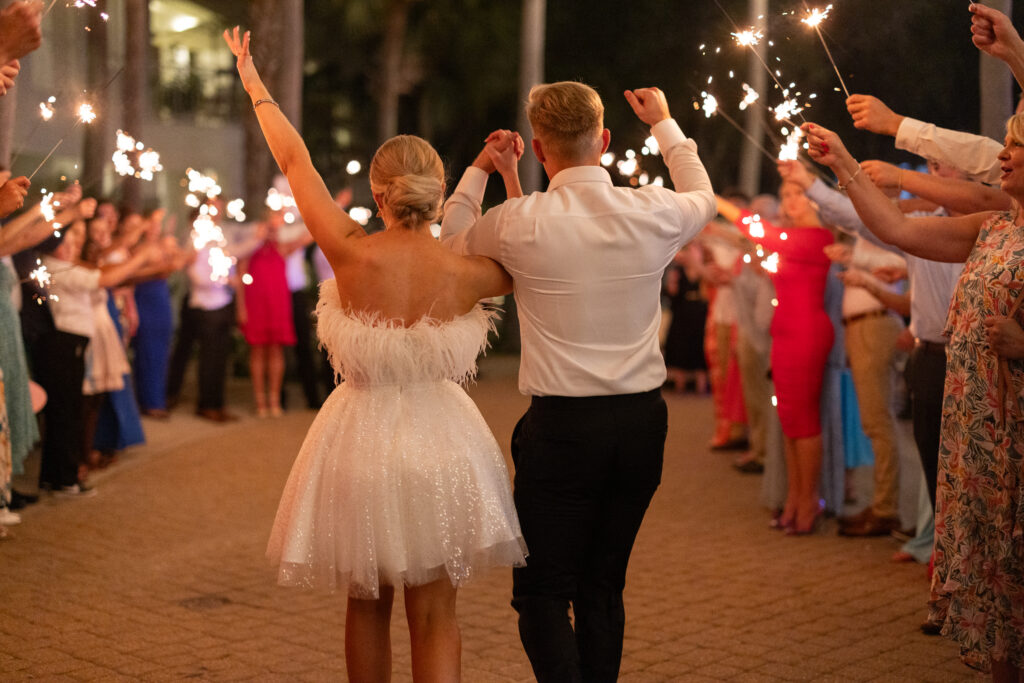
[
  {"x": 135, "y": 90},
  {"x": 531, "y": 73},
  {"x": 392, "y": 49},
  {"x": 278, "y": 50},
  {"x": 97, "y": 139}
]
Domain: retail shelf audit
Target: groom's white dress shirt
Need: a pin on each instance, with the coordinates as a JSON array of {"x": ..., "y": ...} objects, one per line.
[{"x": 587, "y": 260}]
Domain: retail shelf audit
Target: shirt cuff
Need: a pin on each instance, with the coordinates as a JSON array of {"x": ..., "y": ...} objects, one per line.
[
  {"x": 668, "y": 133},
  {"x": 908, "y": 132},
  {"x": 818, "y": 191},
  {"x": 473, "y": 183}
]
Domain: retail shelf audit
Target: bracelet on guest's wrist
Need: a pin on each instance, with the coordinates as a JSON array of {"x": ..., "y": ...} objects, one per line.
[
  {"x": 842, "y": 186},
  {"x": 265, "y": 100}
]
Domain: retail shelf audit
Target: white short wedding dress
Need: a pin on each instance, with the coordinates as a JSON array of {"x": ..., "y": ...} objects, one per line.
[{"x": 399, "y": 481}]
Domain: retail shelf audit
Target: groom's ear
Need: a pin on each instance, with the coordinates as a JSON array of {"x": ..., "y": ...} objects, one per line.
[
  {"x": 538, "y": 150},
  {"x": 606, "y": 139}
]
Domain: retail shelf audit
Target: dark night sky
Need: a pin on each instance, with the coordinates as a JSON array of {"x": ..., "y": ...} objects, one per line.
[{"x": 914, "y": 54}]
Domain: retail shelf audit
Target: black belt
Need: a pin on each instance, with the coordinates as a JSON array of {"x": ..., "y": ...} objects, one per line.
[{"x": 931, "y": 347}]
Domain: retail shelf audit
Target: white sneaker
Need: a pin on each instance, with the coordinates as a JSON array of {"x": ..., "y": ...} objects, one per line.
[
  {"x": 8, "y": 518},
  {"x": 76, "y": 491}
]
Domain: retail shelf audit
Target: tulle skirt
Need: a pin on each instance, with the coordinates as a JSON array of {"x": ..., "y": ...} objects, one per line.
[{"x": 395, "y": 485}]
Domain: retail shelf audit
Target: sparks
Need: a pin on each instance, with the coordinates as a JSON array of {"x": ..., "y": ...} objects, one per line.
[
  {"x": 788, "y": 109},
  {"x": 771, "y": 264},
  {"x": 235, "y": 209},
  {"x": 46, "y": 208},
  {"x": 749, "y": 37},
  {"x": 749, "y": 97},
  {"x": 46, "y": 109},
  {"x": 709, "y": 105},
  {"x": 754, "y": 227},
  {"x": 86, "y": 113},
  {"x": 790, "y": 150},
  {"x": 40, "y": 275},
  {"x": 816, "y": 16}
]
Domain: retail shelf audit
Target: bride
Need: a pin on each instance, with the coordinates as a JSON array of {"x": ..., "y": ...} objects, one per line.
[{"x": 399, "y": 482}]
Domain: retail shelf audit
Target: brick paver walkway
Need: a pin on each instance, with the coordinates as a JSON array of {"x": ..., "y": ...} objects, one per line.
[{"x": 162, "y": 577}]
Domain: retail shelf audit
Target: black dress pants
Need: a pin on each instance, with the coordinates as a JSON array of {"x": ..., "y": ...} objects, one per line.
[
  {"x": 586, "y": 469},
  {"x": 926, "y": 379},
  {"x": 215, "y": 340},
  {"x": 303, "y": 349},
  {"x": 58, "y": 361}
]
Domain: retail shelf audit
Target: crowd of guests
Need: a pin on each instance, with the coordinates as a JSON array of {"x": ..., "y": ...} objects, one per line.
[
  {"x": 88, "y": 324},
  {"x": 903, "y": 285},
  {"x": 802, "y": 314}
]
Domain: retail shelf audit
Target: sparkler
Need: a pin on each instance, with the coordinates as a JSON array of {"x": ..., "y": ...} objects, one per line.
[
  {"x": 748, "y": 37},
  {"x": 86, "y": 114},
  {"x": 732, "y": 122},
  {"x": 46, "y": 109},
  {"x": 41, "y": 275},
  {"x": 148, "y": 160},
  {"x": 709, "y": 104},
  {"x": 749, "y": 97},
  {"x": 813, "y": 19},
  {"x": 790, "y": 150},
  {"x": 751, "y": 38}
]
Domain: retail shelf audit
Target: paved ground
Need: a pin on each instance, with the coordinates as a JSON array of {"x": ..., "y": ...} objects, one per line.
[{"x": 161, "y": 576}]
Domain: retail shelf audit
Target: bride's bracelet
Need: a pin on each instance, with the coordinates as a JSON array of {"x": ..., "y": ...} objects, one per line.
[
  {"x": 842, "y": 186},
  {"x": 265, "y": 100}
]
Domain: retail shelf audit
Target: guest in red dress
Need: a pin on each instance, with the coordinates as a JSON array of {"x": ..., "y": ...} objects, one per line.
[
  {"x": 802, "y": 336},
  {"x": 265, "y": 317}
]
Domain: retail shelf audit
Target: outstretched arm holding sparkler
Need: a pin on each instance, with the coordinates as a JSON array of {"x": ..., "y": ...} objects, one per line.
[
  {"x": 33, "y": 226},
  {"x": 993, "y": 33},
  {"x": 934, "y": 238},
  {"x": 12, "y": 193},
  {"x": 974, "y": 155},
  {"x": 20, "y": 31},
  {"x": 956, "y": 195},
  {"x": 329, "y": 224}
]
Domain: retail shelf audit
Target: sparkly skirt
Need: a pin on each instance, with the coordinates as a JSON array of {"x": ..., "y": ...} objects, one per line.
[{"x": 395, "y": 485}]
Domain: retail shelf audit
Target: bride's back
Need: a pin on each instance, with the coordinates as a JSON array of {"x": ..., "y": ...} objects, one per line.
[{"x": 404, "y": 275}]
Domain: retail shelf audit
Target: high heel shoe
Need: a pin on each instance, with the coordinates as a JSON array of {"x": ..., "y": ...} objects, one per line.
[{"x": 796, "y": 530}]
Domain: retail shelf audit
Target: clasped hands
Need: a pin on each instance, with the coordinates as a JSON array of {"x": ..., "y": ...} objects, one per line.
[{"x": 502, "y": 151}]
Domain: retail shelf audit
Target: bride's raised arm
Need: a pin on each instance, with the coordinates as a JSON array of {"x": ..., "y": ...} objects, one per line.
[{"x": 330, "y": 226}]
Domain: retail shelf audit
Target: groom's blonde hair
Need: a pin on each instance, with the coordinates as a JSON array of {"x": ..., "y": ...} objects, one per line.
[{"x": 568, "y": 117}]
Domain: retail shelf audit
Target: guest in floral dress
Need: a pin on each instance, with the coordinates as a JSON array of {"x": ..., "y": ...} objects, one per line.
[{"x": 978, "y": 584}]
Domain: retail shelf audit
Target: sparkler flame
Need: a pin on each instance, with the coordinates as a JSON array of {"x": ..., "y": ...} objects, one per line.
[
  {"x": 816, "y": 16},
  {"x": 46, "y": 207},
  {"x": 41, "y": 275},
  {"x": 771, "y": 264},
  {"x": 709, "y": 104},
  {"x": 787, "y": 110},
  {"x": 147, "y": 160},
  {"x": 790, "y": 150},
  {"x": 750, "y": 36},
  {"x": 754, "y": 226},
  {"x": 749, "y": 97},
  {"x": 86, "y": 114}
]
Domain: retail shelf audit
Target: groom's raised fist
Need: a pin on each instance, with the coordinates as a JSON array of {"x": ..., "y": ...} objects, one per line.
[{"x": 649, "y": 104}]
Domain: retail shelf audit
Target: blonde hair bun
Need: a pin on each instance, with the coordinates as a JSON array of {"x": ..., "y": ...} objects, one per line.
[{"x": 409, "y": 174}]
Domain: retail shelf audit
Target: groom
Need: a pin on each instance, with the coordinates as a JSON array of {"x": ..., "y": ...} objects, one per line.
[{"x": 587, "y": 260}]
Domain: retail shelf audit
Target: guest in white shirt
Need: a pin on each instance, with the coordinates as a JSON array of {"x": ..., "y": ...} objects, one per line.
[{"x": 586, "y": 258}]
